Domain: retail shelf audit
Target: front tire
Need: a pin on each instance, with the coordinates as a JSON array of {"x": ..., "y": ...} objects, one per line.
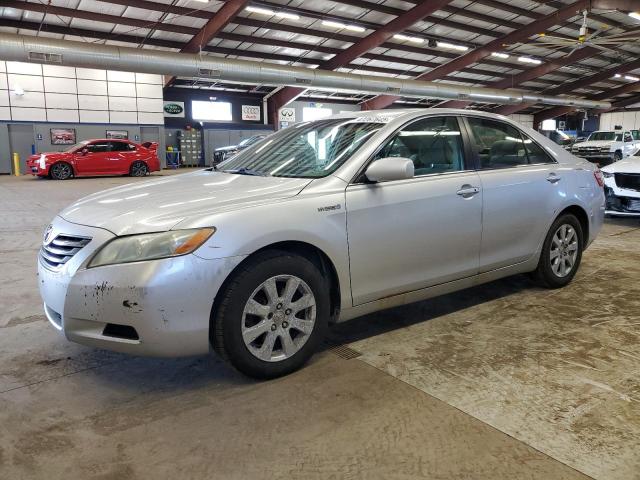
[
  {"x": 272, "y": 315},
  {"x": 138, "y": 169},
  {"x": 617, "y": 156},
  {"x": 61, "y": 171},
  {"x": 561, "y": 253}
]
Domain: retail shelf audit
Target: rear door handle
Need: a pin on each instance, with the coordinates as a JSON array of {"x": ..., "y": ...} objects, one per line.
[
  {"x": 553, "y": 178},
  {"x": 467, "y": 191}
]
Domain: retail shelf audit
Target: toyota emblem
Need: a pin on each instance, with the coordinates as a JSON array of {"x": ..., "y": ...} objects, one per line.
[{"x": 47, "y": 234}]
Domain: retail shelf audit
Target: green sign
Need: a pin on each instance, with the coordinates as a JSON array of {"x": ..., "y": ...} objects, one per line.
[{"x": 173, "y": 108}]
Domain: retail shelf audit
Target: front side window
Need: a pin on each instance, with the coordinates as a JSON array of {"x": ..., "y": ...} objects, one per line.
[
  {"x": 307, "y": 150},
  {"x": 500, "y": 145},
  {"x": 98, "y": 147},
  {"x": 433, "y": 144}
]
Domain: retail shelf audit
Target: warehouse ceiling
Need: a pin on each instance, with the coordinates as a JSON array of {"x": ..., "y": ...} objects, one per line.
[{"x": 448, "y": 42}]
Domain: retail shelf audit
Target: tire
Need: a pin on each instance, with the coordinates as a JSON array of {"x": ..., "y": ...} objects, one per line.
[
  {"x": 138, "y": 169},
  {"x": 561, "y": 253},
  {"x": 617, "y": 156},
  {"x": 61, "y": 171},
  {"x": 279, "y": 339}
]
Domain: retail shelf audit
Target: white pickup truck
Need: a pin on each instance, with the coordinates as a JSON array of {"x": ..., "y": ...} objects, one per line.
[{"x": 605, "y": 147}]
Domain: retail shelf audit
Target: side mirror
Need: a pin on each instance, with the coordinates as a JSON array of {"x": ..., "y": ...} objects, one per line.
[
  {"x": 389, "y": 169},
  {"x": 84, "y": 151}
]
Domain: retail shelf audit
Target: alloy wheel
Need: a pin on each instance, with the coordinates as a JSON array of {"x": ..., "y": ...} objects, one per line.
[
  {"x": 61, "y": 171},
  {"x": 138, "y": 169},
  {"x": 278, "y": 318},
  {"x": 564, "y": 250}
]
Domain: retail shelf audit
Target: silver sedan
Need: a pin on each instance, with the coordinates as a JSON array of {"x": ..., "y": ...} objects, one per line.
[{"x": 318, "y": 223}]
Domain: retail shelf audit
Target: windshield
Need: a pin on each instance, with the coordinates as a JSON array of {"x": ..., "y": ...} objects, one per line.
[
  {"x": 250, "y": 141},
  {"x": 308, "y": 150},
  {"x": 75, "y": 147},
  {"x": 602, "y": 136}
]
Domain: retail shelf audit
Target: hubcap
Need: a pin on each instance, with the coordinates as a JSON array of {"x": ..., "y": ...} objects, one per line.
[
  {"x": 564, "y": 250},
  {"x": 278, "y": 318}
]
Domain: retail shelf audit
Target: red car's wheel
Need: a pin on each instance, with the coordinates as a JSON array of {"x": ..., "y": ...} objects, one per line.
[
  {"x": 61, "y": 171},
  {"x": 138, "y": 169}
]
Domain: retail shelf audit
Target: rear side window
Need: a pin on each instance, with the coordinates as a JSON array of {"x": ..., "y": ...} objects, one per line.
[
  {"x": 434, "y": 145},
  {"x": 120, "y": 147},
  {"x": 499, "y": 145}
]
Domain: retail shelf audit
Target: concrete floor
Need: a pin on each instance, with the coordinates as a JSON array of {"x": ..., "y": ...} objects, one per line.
[{"x": 501, "y": 381}]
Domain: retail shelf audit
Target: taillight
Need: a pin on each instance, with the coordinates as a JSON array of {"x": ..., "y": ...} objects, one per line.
[{"x": 599, "y": 178}]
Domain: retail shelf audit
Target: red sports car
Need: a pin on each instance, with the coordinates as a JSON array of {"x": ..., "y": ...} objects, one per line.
[{"x": 97, "y": 157}]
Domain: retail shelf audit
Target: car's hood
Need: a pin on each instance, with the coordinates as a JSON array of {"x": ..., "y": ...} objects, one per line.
[
  {"x": 595, "y": 143},
  {"x": 628, "y": 165},
  {"x": 160, "y": 204}
]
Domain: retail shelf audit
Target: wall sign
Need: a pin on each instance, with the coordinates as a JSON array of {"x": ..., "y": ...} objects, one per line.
[
  {"x": 173, "y": 109},
  {"x": 251, "y": 113},
  {"x": 63, "y": 136},
  {"x": 118, "y": 134},
  {"x": 287, "y": 114}
]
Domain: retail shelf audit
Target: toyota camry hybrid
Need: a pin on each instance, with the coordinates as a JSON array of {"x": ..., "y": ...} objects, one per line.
[{"x": 320, "y": 222}]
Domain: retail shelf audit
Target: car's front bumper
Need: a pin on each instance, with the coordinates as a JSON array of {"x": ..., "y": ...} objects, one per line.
[
  {"x": 158, "y": 307},
  {"x": 621, "y": 201}
]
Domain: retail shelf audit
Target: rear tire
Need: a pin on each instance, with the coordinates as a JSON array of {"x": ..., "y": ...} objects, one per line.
[
  {"x": 61, "y": 171},
  {"x": 271, "y": 315},
  {"x": 138, "y": 169},
  {"x": 561, "y": 253}
]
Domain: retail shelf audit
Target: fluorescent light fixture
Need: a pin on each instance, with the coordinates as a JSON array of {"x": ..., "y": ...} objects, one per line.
[
  {"x": 632, "y": 78},
  {"x": 451, "y": 46},
  {"x": 332, "y": 24},
  {"x": 535, "y": 61},
  {"x": 272, "y": 13},
  {"x": 406, "y": 38},
  {"x": 499, "y": 55},
  {"x": 635, "y": 15},
  {"x": 617, "y": 75}
]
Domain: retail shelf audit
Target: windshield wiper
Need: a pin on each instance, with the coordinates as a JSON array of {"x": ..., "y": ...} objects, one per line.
[{"x": 245, "y": 171}]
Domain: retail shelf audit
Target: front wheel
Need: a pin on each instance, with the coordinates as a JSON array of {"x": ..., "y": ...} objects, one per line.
[
  {"x": 617, "y": 156},
  {"x": 561, "y": 253},
  {"x": 138, "y": 169},
  {"x": 272, "y": 315},
  {"x": 61, "y": 171}
]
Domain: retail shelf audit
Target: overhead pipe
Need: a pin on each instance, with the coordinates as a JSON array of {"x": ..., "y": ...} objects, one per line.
[{"x": 22, "y": 48}]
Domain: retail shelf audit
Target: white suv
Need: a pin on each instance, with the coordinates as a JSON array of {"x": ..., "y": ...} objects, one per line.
[{"x": 606, "y": 147}]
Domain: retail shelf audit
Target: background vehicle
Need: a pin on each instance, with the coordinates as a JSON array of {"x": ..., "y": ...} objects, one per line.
[
  {"x": 605, "y": 147},
  {"x": 97, "y": 157},
  {"x": 222, "y": 153},
  {"x": 327, "y": 221},
  {"x": 622, "y": 187}
]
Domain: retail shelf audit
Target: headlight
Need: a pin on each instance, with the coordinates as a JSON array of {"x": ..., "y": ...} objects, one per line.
[
  {"x": 150, "y": 246},
  {"x": 607, "y": 174}
]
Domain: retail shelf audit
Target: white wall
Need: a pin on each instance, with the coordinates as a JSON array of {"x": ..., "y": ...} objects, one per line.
[
  {"x": 55, "y": 93},
  {"x": 628, "y": 120},
  {"x": 524, "y": 120}
]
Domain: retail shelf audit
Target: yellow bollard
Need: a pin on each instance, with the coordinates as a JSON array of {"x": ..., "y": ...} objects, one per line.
[{"x": 16, "y": 164}]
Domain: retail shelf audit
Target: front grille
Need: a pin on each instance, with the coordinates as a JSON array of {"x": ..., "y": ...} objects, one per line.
[
  {"x": 61, "y": 249},
  {"x": 630, "y": 181},
  {"x": 592, "y": 151}
]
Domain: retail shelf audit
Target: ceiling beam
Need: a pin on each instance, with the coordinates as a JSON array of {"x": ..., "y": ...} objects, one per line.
[
  {"x": 479, "y": 53},
  {"x": 575, "y": 85},
  {"x": 213, "y": 27},
  {"x": 558, "y": 111},
  {"x": 357, "y": 49},
  {"x": 532, "y": 74}
]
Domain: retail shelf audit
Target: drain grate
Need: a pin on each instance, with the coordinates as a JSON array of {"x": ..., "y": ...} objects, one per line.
[{"x": 345, "y": 352}]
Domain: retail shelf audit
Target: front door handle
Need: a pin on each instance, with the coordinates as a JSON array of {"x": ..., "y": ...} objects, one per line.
[
  {"x": 467, "y": 191},
  {"x": 553, "y": 178}
]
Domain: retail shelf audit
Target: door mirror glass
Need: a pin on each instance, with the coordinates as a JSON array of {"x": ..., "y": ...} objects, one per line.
[
  {"x": 389, "y": 169},
  {"x": 84, "y": 151}
]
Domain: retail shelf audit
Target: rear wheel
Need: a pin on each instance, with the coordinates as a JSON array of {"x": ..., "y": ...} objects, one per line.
[
  {"x": 61, "y": 171},
  {"x": 138, "y": 169},
  {"x": 561, "y": 253},
  {"x": 272, "y": 315}
]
